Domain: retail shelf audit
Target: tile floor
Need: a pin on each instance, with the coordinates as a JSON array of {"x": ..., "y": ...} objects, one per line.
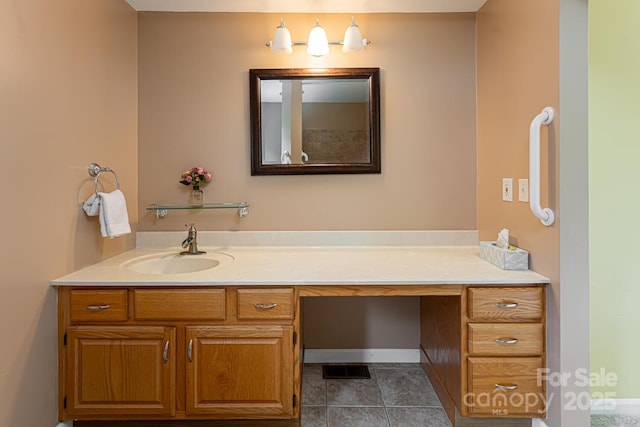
[
  {"x": 615, "y": 421},
  {"x": 397, "y": 395}
]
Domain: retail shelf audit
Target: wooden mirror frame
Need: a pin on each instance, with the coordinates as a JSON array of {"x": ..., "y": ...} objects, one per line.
[{"x": 257, "y": 75}]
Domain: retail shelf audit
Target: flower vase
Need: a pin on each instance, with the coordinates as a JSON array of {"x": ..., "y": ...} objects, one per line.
[{"x": 196, "y": 197}]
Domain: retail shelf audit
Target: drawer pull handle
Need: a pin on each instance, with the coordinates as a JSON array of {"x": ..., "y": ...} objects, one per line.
[
  {"x": 98, "y": 307},
  {"x": 506, "y": 304},
  {"x": 265, "y": 306},
  {"x": 507, "y": 341},
  {"x": 507, "y": 387},
  {"x": 190, "y": 351},
  {"x": 165, "y": 353}
]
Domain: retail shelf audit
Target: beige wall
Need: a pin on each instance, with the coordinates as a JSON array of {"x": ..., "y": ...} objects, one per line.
[
  {"x": 518, "y": 75},
  {"x": 194, "y": 109},
  {"x": 68, "y": 97}
]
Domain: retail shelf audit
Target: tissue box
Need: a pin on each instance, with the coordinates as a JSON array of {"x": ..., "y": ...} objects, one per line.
[{"x": 507, "y": 259}]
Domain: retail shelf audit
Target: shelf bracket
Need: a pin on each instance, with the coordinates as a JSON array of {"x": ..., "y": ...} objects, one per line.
[{"x": 161, "y": 213}]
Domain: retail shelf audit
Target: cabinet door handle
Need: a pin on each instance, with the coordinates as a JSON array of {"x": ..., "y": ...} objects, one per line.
[
  {"x": 98, "y": 307},
  {"x": 165, "y": 353},
  {"x": 265, "y": 306},
  {"x": 508, "y": 387},
  {"x": 190, "y": 351},
  {"x": 507, "y": 341},
  {"x": 506, "y": 304}
]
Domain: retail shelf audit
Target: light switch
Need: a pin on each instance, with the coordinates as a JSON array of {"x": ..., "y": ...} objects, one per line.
[
  {"x": 507, "y": 189},
  {"x": 523, "y": 190}
]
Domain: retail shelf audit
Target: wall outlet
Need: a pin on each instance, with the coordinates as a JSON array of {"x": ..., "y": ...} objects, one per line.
[
  {"x": 507, "y": 189},
  {"x": 523, "y": 190}
]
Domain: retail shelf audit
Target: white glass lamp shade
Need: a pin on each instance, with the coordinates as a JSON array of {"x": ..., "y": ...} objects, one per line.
[
  {"x": 281, "y": 42},
  {"x": 318, "y": 44},
  {"x": 352, "y": 39}
]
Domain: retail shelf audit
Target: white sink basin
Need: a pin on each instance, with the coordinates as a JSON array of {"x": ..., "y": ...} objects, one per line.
[{"x": 174, "y": 263}]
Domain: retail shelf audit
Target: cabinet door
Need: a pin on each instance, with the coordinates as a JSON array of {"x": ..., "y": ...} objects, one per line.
[
  {"x": 120, "y": 370},
  {"x": 240, "y": 371}
]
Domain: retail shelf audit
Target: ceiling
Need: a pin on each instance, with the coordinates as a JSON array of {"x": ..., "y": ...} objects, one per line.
[{"x": 309, "y": 6}]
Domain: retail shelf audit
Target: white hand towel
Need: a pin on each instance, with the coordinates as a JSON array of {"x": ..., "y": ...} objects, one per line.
[
  {"x": 112, "y": 208},
  {"x": 92, "y": 205},
  {"x": 114, "y": 220}
]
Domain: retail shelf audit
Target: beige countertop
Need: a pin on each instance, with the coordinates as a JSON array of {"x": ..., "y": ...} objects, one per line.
[{"x": 305, "y": 265}]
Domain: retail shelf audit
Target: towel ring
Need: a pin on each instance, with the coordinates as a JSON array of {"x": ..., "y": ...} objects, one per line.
[{"x": 95, "y": 170}]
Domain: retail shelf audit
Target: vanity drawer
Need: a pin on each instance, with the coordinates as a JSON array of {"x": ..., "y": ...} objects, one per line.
[
  {"x": 506, "y": 339},
  {"x": 505, "y": 304},
  {"x": 98, "y": 305},
  {"x": 265, "y": 304},
  {"x": 179, "y": 304},
  {"x": 505, "y": 386}
]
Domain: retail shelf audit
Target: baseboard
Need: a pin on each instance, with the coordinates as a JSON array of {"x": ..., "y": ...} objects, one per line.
[
  {"x": 616, "y": 407},
  {"x": 362, "y": 355}
]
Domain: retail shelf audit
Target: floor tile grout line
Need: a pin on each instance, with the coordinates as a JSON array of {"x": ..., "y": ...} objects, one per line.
[
  {"x": 355, "y": 406},
  {"x": 412, "y": 407},
  {"x": 384, "y": 404},
  {"x": 326, "y": 403}
]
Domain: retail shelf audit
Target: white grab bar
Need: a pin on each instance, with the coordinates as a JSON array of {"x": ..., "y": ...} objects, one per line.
[{"x": 545, "y": 215}]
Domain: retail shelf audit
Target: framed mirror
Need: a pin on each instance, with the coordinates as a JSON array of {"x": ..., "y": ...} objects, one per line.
[{"x": 315, "y": 121}]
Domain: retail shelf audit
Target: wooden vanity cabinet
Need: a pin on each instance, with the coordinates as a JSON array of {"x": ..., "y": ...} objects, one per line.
[
  {"x": 178, "y": 353},
  {"x": 195, "y": 353},
  {"x": 506, "y": 351},
  {"x": 482, "y": 351}
]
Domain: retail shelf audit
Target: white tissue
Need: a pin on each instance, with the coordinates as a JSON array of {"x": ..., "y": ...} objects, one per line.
[{"x": 503, "y": 239}]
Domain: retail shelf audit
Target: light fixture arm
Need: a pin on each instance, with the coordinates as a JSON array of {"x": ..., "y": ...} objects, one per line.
[{"x": 365, "y": 42}]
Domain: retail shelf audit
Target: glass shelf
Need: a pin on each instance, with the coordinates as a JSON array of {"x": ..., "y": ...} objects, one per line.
[{"x": 162, "y": 210}]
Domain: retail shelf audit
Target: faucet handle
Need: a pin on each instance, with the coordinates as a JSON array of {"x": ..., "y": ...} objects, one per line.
[{"x": 191, "y": 241}]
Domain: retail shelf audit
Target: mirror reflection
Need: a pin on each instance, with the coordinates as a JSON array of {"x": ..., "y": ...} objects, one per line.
[
  {"x": 308, "y": 121},
  {"x": 315, "y": 121}
]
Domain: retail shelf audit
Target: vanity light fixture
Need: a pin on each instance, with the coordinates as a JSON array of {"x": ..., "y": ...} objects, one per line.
[
  {"x": 281, "y": 39},
  {"x": 318, "y": 43},
  {"x": 353, "y": 41}
]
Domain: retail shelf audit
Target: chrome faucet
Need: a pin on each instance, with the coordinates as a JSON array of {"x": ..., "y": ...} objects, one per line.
[{"x": 191, "y": 241}]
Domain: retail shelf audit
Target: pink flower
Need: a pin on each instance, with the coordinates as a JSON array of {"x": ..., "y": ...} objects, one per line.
[{"x": 195, "y": 176}]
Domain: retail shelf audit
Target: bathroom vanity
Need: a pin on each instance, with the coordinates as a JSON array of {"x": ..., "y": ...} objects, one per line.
[{"x": 226, "y": 343}]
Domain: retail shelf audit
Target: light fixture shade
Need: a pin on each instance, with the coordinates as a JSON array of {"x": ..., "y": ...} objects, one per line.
[
  {"x": 352, "y": 42},
  {"x": 281, "y": 39},
  {"x": 318, "y": 44}
]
